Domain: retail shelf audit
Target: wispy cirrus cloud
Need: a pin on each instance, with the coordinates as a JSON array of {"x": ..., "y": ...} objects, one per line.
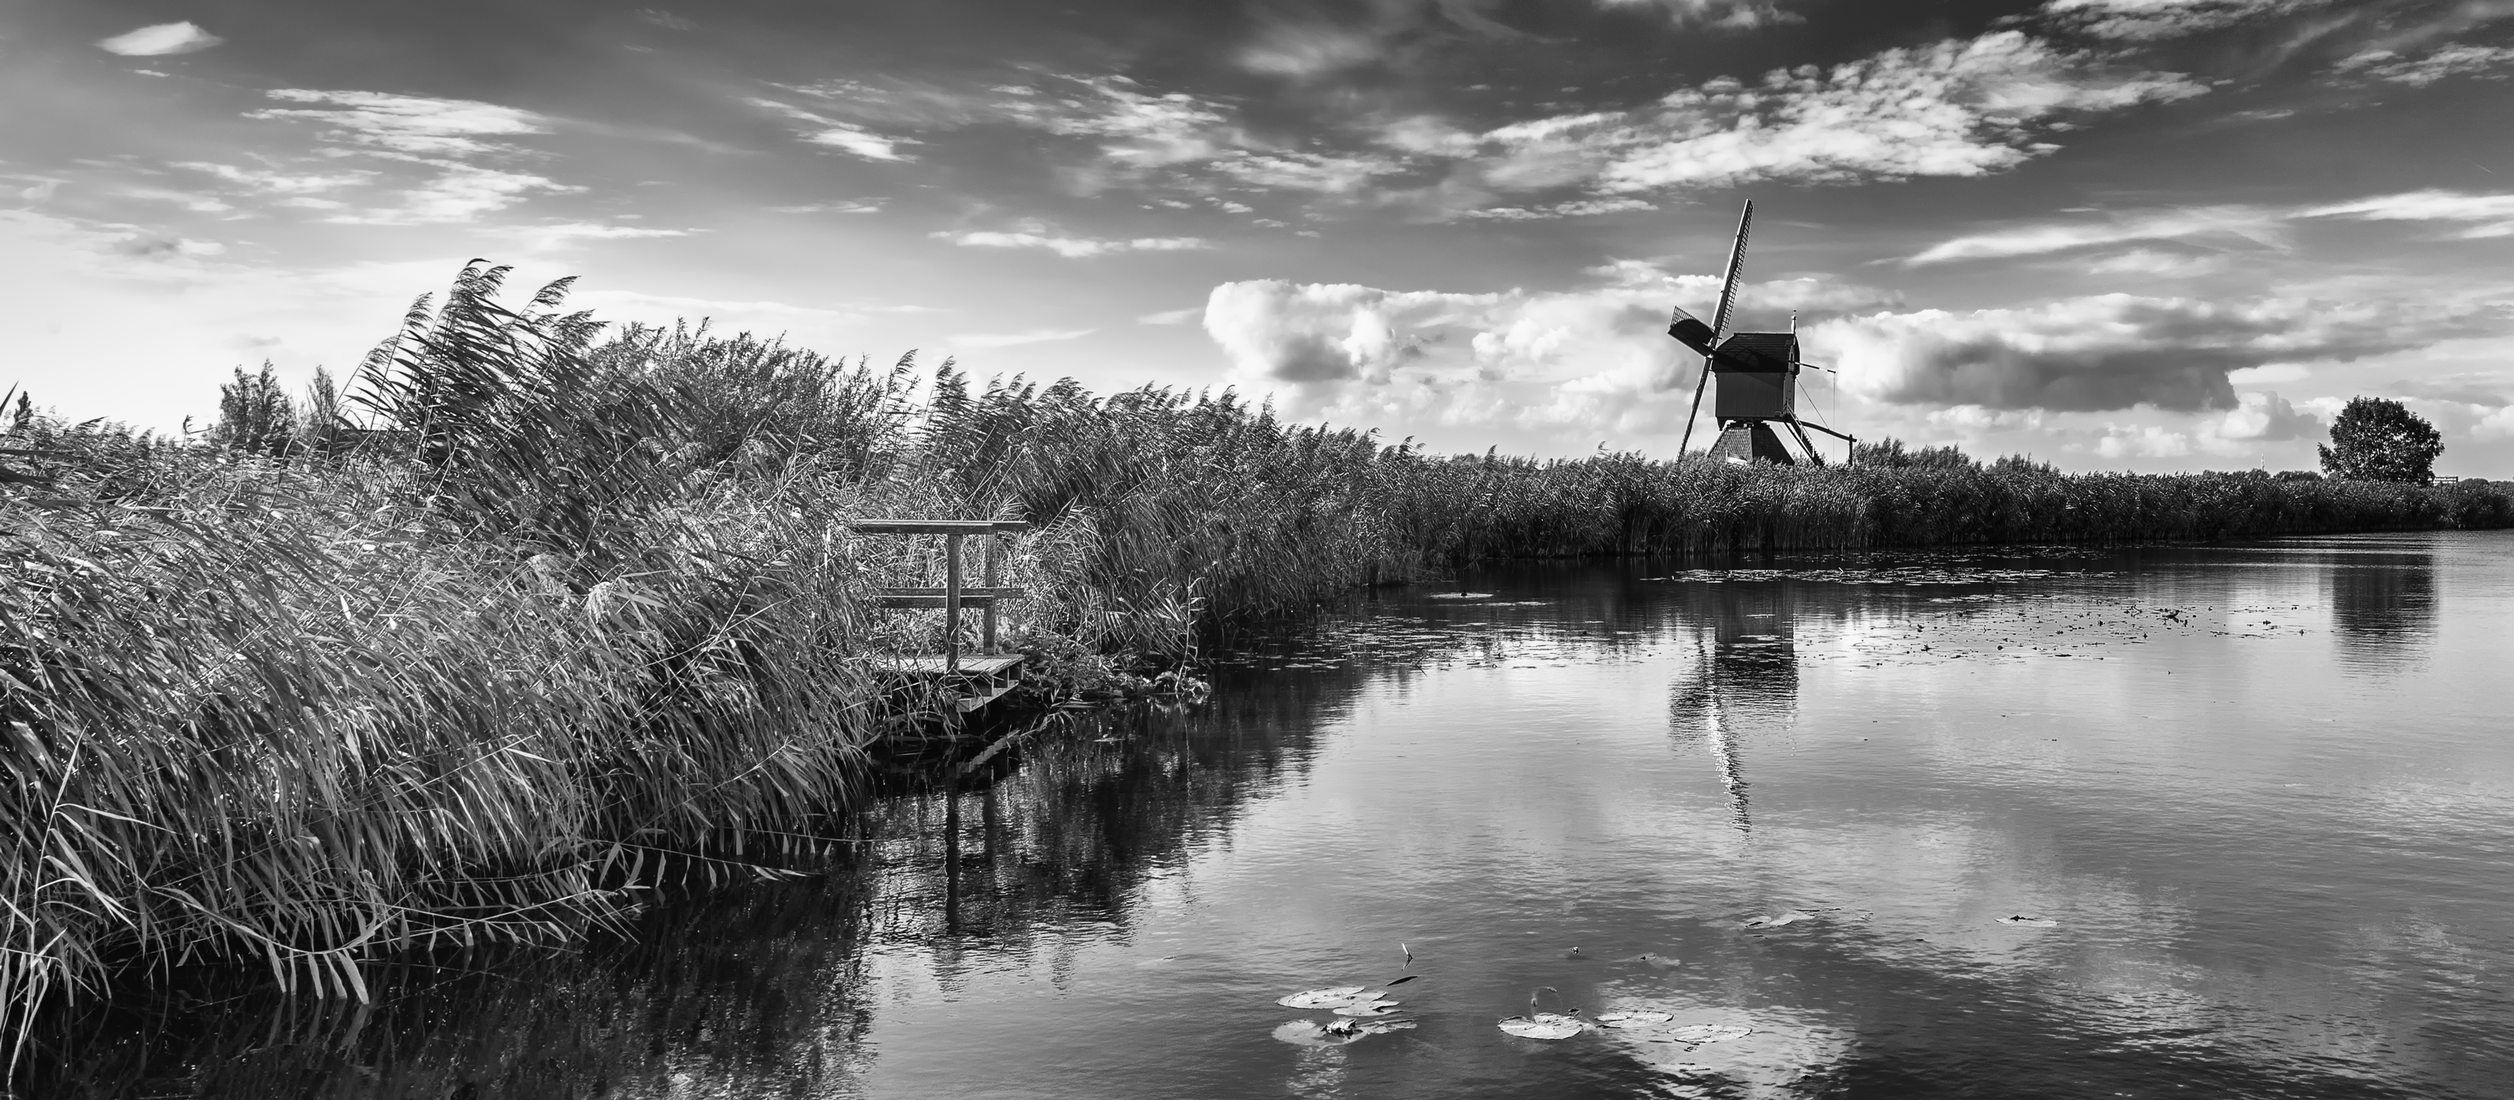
[
  {"x": 2483, "y": 216},
  {"x": 159, "y": 40},
  {"x": 1724, "y": 14},
  {"x": 2253, "y": 224},
  {"x": 1039, "y": 237},
  {"x": 2489, "y": 62},
  {"x": 462, "y": 145},
  {"x": 845, "y": 137},
  {"x": 984, "y": 340},
  {"x": 2151, "y": 20}
]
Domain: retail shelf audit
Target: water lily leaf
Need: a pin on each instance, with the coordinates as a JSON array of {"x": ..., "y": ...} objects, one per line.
[
  {"x": 1634, "y": 1019},
  {"x": 1326, "y": 998},
  {"x": 1545, "y": 1025},
  {"x": 1710, "y": 1033},
  {"x": 2030, "y": 922}
]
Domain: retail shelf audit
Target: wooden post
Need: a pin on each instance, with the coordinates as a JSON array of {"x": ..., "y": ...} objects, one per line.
[
  {"x": 986, "y": 574},
  {"x": 951, "y": 603}
]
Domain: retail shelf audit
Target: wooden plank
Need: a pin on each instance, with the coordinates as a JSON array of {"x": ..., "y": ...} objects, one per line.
[
  {"x": 942, "y": 601},
  {"x": 999, "y": 593},
  {"x": 926, "y": 665},
  {"x": 937, "y": 526},
  {"x": 951, "y": 601}
]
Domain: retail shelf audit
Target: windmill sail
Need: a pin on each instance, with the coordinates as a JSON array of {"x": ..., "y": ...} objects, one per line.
[{"x": 1685, "y": 326}]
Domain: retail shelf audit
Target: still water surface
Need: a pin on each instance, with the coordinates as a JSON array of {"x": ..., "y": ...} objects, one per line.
[{"x": 2255, "y": 805}]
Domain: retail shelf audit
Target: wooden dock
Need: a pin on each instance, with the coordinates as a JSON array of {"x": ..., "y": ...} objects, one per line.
[{"x": 972, "y": 680}]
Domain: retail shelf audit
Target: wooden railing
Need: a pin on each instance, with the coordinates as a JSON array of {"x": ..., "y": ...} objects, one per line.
[{"x": 953, "y": 595}]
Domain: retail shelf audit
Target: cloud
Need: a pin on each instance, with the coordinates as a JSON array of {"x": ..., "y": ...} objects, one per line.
[
  {"x": 1955, "y": 108},
  {"x": 2490, "y": 62},
  {"x": 2150, "y": 20},
  {"x": 1303, "y": 50},
  {"x": 268, "y": 181},
  {"x": 1581, "y": 208},
  {"x": 1171, "y": 316},
  {"x": 1072, "y": 248},
  {"x": 567, "y": 233},
  {"x": 449, "y": 137},
  {"x": 845, "y": 137},
  {"x": 2266, "y": 418},
  {"x": 2253, "y": 224},
  {"x": 1281, "y": 331},
  {"x": 1726, "y": 14},
  {"x": 160, "y": 39},
  {"x": 2489, "y": 215},
  {"x": 2157, "y": 264},
  {"x": 413, "y": 126},
  {"x": 851, "y": 206},
  {"x": 2115, "y": 351},
  {"x": 1014, "y": 339}
]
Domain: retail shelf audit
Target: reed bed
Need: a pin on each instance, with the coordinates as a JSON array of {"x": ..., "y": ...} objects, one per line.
[{"x": 550, "y": 614}]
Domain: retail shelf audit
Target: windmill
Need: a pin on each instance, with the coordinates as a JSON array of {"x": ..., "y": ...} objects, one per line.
[{"x": 1758, "y": 374}]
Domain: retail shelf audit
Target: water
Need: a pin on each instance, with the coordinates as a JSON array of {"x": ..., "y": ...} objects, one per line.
[{"x": 2262, "y": 795}]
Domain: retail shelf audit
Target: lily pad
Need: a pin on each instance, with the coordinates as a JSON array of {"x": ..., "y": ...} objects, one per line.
[
  {"x": 1710, "y": 1033},
  {"x": 1310, "y": 1033},
  {"x": 2030, "y": 922},
  {"x": 1545, "y": 1025},
  {"x": 1336, "y": 997},
  {"x": 1634, "y": 1019}
]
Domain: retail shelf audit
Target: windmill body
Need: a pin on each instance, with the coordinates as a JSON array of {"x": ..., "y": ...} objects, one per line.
[{"x": 1756, "y": 400}]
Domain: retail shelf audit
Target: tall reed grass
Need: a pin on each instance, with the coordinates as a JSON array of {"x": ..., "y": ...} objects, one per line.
[{"x": 568, "y": 611}]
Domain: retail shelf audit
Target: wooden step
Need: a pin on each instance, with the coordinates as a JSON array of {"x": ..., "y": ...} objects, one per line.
[{"x": 971, "y": 664}]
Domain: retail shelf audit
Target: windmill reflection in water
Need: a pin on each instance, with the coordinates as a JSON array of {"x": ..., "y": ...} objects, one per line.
[{"x": 1744, "y": 678}]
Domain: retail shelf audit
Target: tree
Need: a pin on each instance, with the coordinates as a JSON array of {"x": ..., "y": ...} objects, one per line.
[
  {"x": 254, "y": 414},
  {"x": 2378, "y": 439}
]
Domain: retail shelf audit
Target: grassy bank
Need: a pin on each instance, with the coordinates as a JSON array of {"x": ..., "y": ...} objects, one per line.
[{"x": 577, "y": 612}]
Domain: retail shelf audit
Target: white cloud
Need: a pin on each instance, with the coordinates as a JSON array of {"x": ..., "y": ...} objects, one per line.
[
  {"x": 159, "y": 40},
  {"x": 2490, "y": 215},
  {"x": 450, "y": 137},
  {"x": 845, "y": 137},
  {"x": 2266, "y": 418},
  {"x": 2115, "y": 351},
  {"x": 416, "y": 126},
  {"x": 2496, "y": 425},
  {"x": 1950, "y": 109},
  {"x": 1302, "y": 50},
  {"x": 1171, "y": 316},
  {"x": 2149, "y": 20},
  {"x": 1038, "y": 237},
  {"x": 2491, "y": 62},
  {"x": 1580, "y": 208},
  {"x": 274, "y": 182},
  {"x": 867, "y": 206},
  {"x": 2252, "y": 224},
  {"x": 1015, "y": 339},
  {"x": 2157, "y": 263},
  {"x": 1729, "y": 14},
  {"x": 566, "y": 233},
  {"x": 458, "y": 193}
]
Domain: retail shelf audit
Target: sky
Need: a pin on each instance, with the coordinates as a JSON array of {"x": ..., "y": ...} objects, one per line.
[{"x": 2111, "y": 234}]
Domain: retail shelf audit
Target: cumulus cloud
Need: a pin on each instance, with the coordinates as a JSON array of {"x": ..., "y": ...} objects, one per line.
[
  {"x": 2266, "y": 418},
  {"x": 1277, "y": 330},
  {"x": 2116, "y": 351},
  {"x": 160, "y": 39},
  {"x": 1039, "y": 237}
]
